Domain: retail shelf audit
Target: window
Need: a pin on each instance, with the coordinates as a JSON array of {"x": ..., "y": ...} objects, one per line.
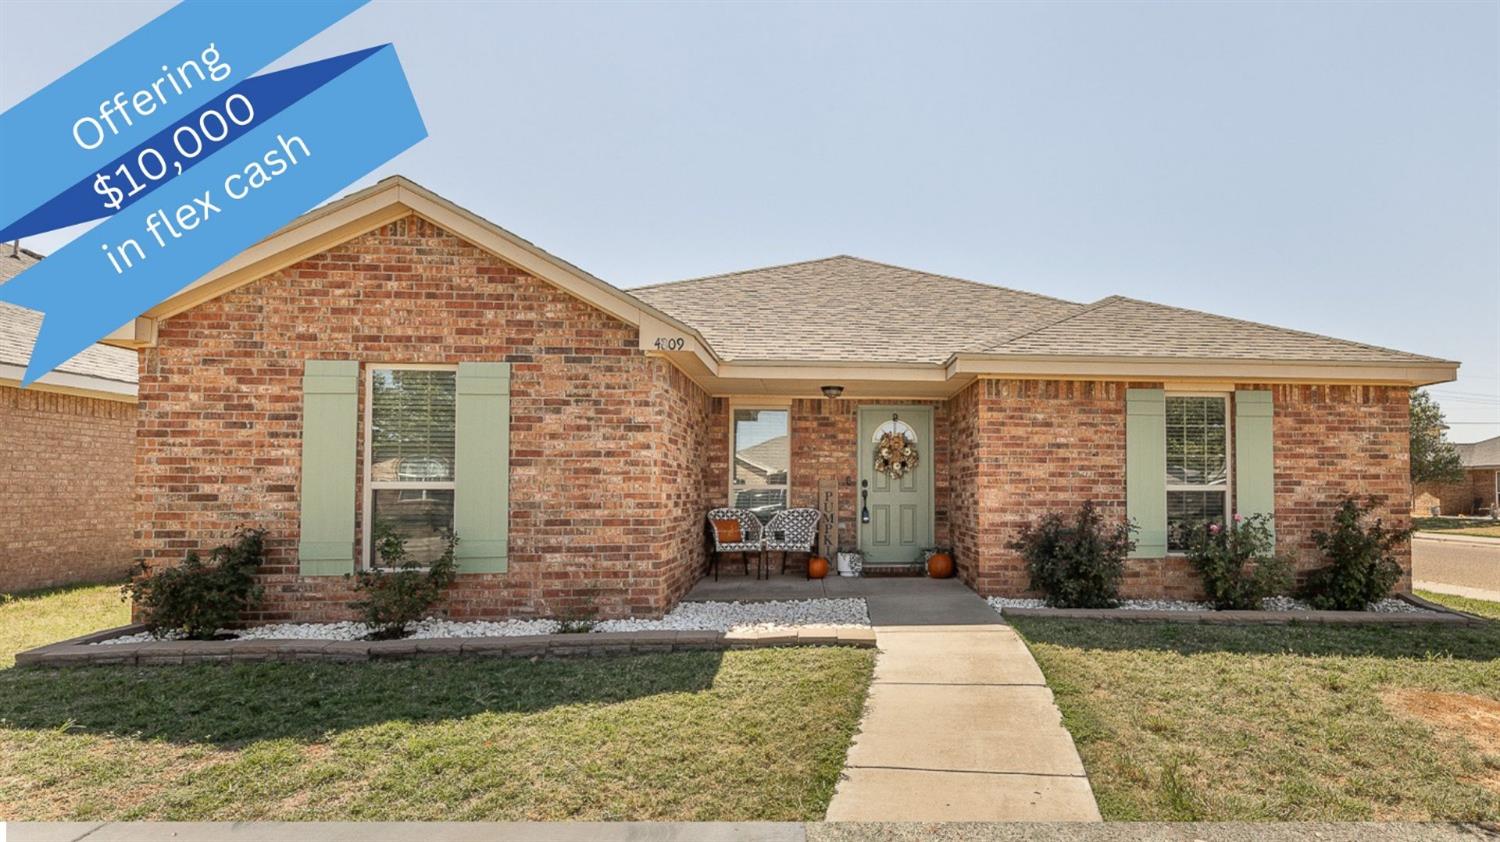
[
  {"x": 409, "y": 465},
  {"x": 758, "y": 479},
  {"x": 894, "y": 426},
  {"x": 1197, "y": 464}
]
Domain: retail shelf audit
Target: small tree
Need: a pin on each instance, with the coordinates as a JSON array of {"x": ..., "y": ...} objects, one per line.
[
  {"x": 1362, "y": 566},
  {"x": 1433, "y": 457},
  {"x": 401, "y": 590},
  {"x": 1078, "y": 564},
  {"x": 196, "y": 598},
  {"x": 1238, "y": 562}
]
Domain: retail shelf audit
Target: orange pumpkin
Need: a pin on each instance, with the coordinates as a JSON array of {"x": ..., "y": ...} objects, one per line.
[
  {"x": 817, "y": 567},
  {"x": 940, "y": 565}
]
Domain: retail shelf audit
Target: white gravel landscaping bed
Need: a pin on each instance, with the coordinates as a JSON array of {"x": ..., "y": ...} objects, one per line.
[
  {"x": 687, "y": 616},
  {"x": 1275, "y": 603}
]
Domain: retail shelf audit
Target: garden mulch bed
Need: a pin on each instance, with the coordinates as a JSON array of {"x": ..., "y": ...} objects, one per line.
[
  {"x": 81, "y": 650},
  {"x": 1432, "y": 613}
]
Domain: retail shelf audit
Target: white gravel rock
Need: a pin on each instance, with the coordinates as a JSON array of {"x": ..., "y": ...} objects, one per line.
[
  {"x": 688, "y": 616},
  {"x": 758, "y": 616},
  {"x": 1397, "y": 606}
]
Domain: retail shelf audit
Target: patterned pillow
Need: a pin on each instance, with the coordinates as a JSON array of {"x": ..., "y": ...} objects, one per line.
[{"x": 728, "y": 530}]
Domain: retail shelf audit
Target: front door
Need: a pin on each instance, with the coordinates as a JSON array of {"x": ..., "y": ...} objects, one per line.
[{"x": 900, "y": 521}]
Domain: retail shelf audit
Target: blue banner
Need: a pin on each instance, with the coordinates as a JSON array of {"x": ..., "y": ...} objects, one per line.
[
  {"x": 176, "y": 149},
  {"x": 332, "y": 122},
  {"x": 187, "y": 56}
]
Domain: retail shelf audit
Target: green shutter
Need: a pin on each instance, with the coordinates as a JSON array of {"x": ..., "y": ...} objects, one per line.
[
  {"x": 330, "y": 409},
  {"x": 1146, "y": 469},
  {"x": 481, "y": 506},
  {"x": 1254, "y": 469}
]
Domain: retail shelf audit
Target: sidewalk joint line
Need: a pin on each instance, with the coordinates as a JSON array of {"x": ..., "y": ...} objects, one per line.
[{"x": 969, "y": 771}]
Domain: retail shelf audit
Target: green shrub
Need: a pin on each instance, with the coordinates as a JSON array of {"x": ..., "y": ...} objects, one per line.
[
  {"x": 196, "y": 598},
  {"x": 1238, "y": 562},
  {"x": 1362, "y": 566},
  {"x": 1077, "y": 564},
  {"x": 401, "y": 590}
]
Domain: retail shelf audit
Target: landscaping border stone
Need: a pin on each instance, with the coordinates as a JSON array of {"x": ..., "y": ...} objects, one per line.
[
  {"x": 1434, "y": 614},
  {"x": 81, "y": 650}
]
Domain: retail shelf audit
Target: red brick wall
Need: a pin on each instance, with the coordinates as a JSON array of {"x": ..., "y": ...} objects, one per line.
[
  {"x": 1027, "y": 447},
  {"x": 969, "y": 515},
  {"x": 1022, "y": 448},
  {"x": 686, "y": 439},
  {"x": 600, "y": 433},
  {"x": 1335, "y": 440},
  {"x": 66, "y": 499}
]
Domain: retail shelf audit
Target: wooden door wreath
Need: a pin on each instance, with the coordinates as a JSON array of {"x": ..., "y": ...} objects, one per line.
[{"x": 895, "y": 453}]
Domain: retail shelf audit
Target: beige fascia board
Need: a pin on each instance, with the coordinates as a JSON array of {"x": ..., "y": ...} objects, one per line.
[
  {"x": 79, "y": 385},
  {"x": 830, "y": 372},
  {"x": 1416, "y": 373},
  {"x": 140, "y": 332}
]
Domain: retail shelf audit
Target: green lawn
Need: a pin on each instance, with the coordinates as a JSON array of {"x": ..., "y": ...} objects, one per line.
[
  {"x": 1181, "y": 722},
  {"x": 688, "y": 736},
  {"x": 1455, "y": 526},
  {"x": 34, "y": 619},
  {"x": 1481, "y": 607}
]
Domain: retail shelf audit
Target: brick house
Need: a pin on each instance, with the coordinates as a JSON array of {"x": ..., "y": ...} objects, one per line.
[
  {"x": 391, "y": 361},
  {"x": 1478, "y": 493},
  {"x": 67, "y": 450}
]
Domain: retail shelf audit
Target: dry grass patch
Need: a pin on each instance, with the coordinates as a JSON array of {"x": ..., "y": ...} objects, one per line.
[{"x": 1279, "y": 723}]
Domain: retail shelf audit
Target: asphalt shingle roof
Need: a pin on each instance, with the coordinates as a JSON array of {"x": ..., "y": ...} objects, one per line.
[
  {"x": 848, "y": 309},
  {"x": 19, "y": 326},
  {"x": 1480, "y": 453},
  {"x": 1126, "y": 327}
]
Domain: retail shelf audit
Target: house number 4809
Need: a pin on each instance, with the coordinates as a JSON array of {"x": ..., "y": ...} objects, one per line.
[{"x": 674, "y": 343}]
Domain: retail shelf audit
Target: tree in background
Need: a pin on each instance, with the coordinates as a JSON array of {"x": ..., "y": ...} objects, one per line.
[{"x": 1433, "y": 457}]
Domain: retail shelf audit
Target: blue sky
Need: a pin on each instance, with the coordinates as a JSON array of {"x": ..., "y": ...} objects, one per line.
[{"x": 1330, "y": 167}]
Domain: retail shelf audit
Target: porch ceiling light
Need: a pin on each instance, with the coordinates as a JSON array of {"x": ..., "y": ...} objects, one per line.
[{"x": 832, "y": 392}]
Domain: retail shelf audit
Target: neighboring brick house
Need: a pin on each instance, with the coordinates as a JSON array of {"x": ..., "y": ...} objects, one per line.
[
  {"x": 66, "y": 445},
  {"x": 1478, "y": 493},
  {"x": 391, "y": 357}
]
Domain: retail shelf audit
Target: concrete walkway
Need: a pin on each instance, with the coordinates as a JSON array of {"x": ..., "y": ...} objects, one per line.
[{"x": 959, "y": 724}]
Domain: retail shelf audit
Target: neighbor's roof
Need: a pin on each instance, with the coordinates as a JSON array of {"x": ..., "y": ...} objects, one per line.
[
  {"x": 1480, "y": 454},
  {"x": 846, "y": 308},
  {"x": 19, "y": 326}
]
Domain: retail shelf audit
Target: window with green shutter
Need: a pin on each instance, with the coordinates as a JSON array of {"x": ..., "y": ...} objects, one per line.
[
  {"x": 410, "y": 458},
  {"x": 1197, "y": 464}
]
